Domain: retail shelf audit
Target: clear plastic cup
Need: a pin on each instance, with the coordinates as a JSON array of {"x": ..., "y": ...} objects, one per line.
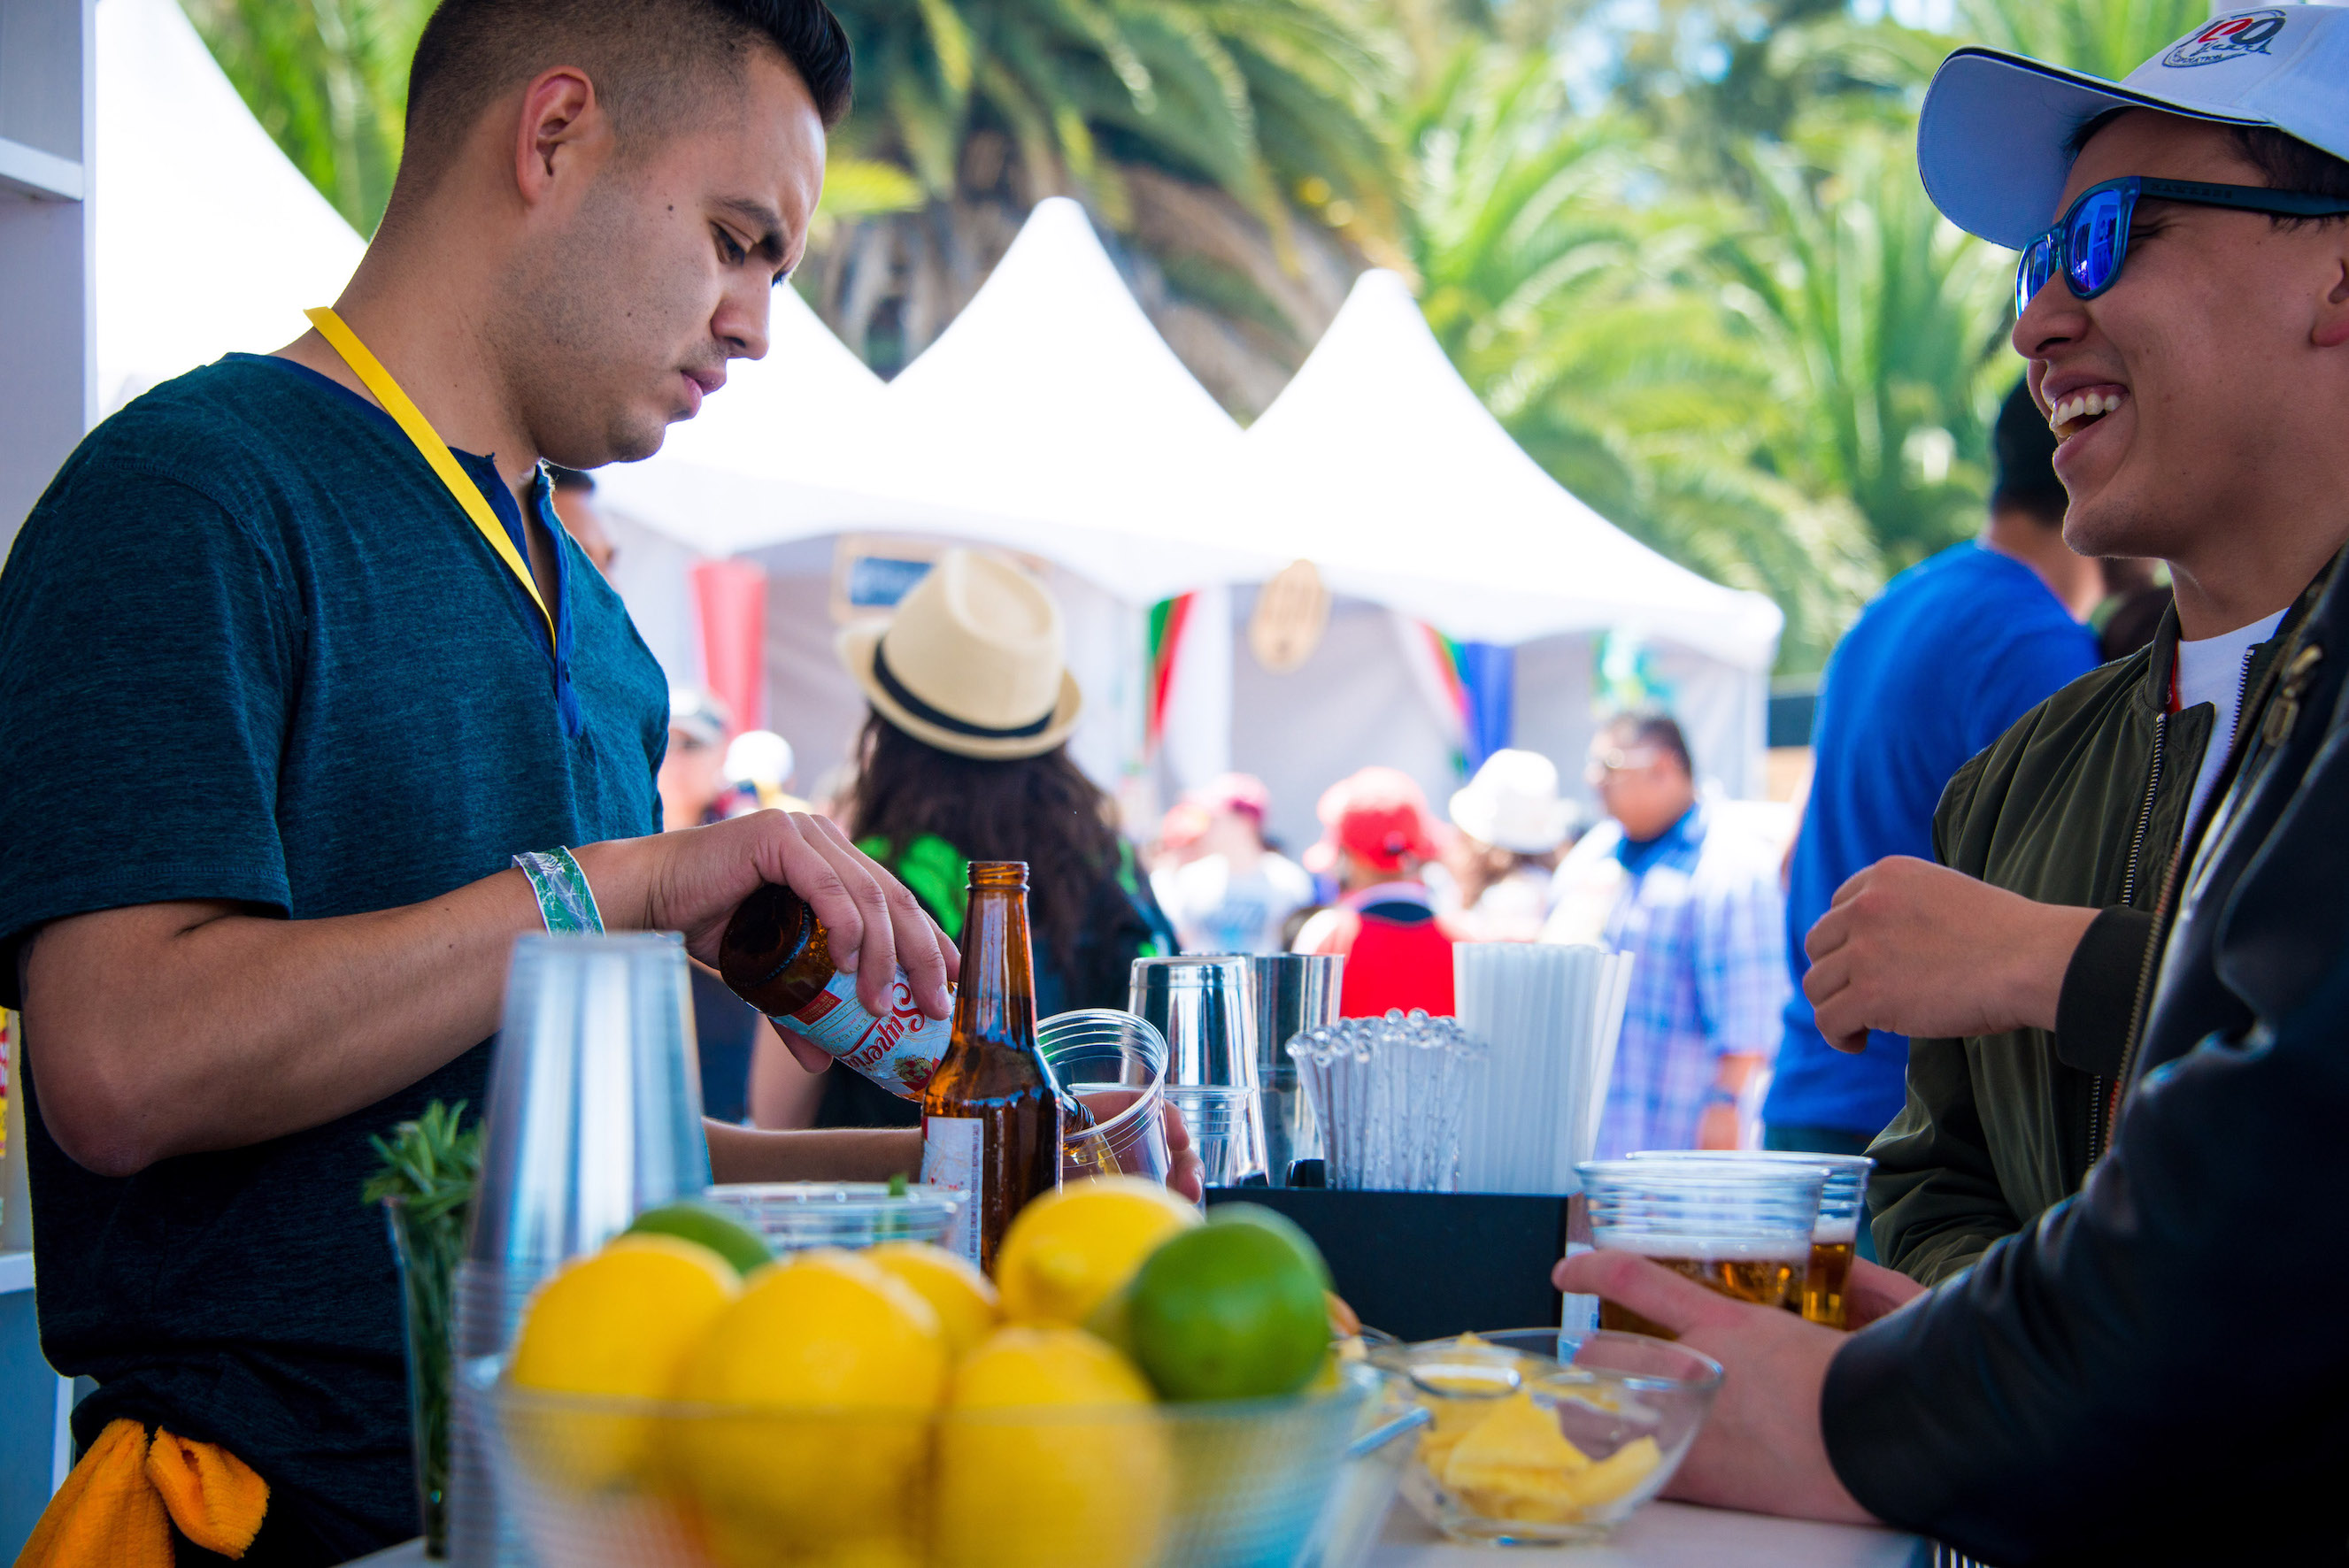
[
  {"x": 796, "y": 1215},
  {"x": 1740, "y": 1227},
  {"x": 1843, "y": 1208},
  {"x": 1116, "y": 1062}
]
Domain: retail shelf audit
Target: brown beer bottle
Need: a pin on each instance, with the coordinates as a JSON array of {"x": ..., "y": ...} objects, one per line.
[
  {"x": 991, "y": 1111},
  {"x": 777, "y": 956}
]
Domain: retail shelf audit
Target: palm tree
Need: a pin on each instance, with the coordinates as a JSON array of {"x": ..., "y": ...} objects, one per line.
[
  {"x": 1568, "y": 272},
  {"x": 1884, "y": 326},
  {"x": 1235, "y": 143},
  {"x": 329, "y": 81},
  {"x": 2108, "y": 37}
]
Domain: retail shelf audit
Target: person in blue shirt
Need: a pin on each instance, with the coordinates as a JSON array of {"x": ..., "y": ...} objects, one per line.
[{"x": 1950, "y": 654}]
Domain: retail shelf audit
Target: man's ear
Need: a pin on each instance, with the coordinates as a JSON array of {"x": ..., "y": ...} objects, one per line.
[
  {"x": 2330, "y": 328},
  {"x": 563, "y": 128}
]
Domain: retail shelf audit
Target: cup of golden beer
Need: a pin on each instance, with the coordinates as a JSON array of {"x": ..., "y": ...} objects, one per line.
[
  {"x": 1741, "y": 1227},
  {"x": 1843, "y": 1208}
]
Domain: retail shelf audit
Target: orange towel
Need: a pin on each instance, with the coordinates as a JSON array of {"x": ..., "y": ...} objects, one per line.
[{"x": 116, "y": 1509}]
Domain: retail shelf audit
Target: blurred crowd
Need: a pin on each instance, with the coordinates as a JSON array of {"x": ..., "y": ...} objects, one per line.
[{"x": 1711, "y": 897}]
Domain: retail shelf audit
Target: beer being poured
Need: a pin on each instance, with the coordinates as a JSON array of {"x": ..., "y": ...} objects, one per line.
[
  {"x": 991, "y": 1113},
  {"x": 777, "y": 956}
]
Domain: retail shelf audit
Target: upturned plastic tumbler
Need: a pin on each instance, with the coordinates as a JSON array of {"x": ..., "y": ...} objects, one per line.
[
  {"x": 1205, "y": 1009},
  {"x": 593, "y": 1116}
]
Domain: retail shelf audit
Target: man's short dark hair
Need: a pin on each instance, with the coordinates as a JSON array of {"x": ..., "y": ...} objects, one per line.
[
  {"x": 2023, "y": 448},
  {"x": 652, "y": 61},
  {"x": 1652, "y": 728}
]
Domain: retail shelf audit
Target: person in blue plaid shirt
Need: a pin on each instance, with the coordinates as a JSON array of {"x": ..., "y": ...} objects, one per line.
[{"x": 1699, "y": 909}]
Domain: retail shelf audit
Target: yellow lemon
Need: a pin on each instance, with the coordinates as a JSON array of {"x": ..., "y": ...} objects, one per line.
[
  {"x": 1051, "y": 1452},
  {"x": 1069, "y": 1251},
  {"x": 964, "y": 1298},
  {"x": 830, "y": 1370},
  {"x": 618, "y": 1323}
]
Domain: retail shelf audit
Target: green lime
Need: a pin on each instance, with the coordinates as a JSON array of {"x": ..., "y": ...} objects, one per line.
[
  {"x": 1280, "y": 1226},
  {"x": 1233, "y": 1310},
  {"x": 713, "y": 1227}
]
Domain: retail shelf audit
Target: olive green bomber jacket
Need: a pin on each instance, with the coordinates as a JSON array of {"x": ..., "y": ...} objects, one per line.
[{"x": 2082, "y": 801}]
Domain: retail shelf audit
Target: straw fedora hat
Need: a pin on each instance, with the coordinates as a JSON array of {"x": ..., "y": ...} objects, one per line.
[{"x": 972, "y": 662}]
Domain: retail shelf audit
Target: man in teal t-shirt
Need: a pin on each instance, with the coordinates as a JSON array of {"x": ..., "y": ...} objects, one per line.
[{"x": 279, "y": 703}]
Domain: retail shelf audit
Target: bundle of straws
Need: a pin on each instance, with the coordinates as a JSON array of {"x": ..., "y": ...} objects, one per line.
[
  {"x": 1549, "y": 1016},
  {"x": 1387, "y": 1093}
]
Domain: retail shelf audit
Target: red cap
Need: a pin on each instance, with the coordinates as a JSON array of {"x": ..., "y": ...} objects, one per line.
[{"x": 1378, "y": 816}]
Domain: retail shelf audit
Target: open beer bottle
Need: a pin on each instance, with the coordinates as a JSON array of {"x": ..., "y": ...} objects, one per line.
[
  {"x": 991, "y": 1113},
  {"x": 777, "y": 956}
]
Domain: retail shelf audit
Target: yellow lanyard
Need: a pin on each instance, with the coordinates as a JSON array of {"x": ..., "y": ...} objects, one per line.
[{"x": 377, "y": 380}]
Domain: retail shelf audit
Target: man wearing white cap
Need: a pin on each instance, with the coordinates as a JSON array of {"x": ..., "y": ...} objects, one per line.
[{"x": 2077, "y": 1396}]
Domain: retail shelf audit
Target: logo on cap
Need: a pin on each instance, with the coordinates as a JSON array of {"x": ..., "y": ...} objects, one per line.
[{"x": 2228, "y": 39}]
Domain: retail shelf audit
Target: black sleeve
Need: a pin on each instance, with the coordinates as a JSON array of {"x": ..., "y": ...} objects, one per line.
[
  {"x": 2152, "y": 1372},
  {"x": 2092, "y": 1015}
]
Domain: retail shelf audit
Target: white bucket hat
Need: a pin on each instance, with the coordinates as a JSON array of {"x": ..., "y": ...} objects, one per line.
[
  {"x": 1513, "y": 804},
  {"x": 1993, "y": 139},
  {"x": 971, "y": 662}
]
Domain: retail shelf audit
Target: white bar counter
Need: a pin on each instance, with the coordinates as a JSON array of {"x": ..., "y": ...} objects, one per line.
[{"x": 1662, "y": 1535}]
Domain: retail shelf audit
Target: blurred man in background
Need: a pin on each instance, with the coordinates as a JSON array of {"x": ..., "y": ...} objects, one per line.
[
  {"x": 575, "y": 507},
  {"x": 1700, "y": 911},
  {"x": 1952, "y": 652},
  {"x": 693, "y": 769},
  {"x": 1236, "y": 893},
  {"x": 1375, "y": 840}
]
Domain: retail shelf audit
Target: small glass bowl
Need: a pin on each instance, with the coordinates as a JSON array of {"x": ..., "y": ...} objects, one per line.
[
  {"x": 796, "y": 1215},
  {"x": 1628, "y": 1406}
]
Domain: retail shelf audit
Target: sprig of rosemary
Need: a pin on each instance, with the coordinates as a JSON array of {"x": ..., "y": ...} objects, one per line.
[{"x": 430, "y": 1168}]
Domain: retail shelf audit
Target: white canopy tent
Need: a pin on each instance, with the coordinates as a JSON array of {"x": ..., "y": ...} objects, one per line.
[
  {"x": 1050, "y": 418},
  {"x": 1380, "y": 465},
  {"x": 208, "y": 239}
]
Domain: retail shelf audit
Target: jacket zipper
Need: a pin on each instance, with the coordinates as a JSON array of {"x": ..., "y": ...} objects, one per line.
[
  {"x": 2292, "y": 670},
  {"x": 2097, "y": 1091}
]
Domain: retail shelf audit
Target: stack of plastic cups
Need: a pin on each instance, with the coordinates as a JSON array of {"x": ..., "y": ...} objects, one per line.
[{"x": 593, "y": 1116}]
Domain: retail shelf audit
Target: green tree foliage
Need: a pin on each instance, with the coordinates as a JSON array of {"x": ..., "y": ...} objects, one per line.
[
  {"x": 328, "y": 80},
  {"x": 1679, "y": 248}
]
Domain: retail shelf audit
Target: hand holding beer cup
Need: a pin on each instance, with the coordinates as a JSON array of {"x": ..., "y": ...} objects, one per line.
[
  {"x": 1843, "y": 1205},
  {"x": 1742, "y": 1228}
]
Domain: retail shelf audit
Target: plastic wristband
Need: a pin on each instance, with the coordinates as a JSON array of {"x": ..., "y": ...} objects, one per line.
[{"x": 565, "y": 901}]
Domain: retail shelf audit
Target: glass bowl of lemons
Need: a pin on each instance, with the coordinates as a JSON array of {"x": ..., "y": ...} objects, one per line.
[
  {"x": 1535, "y": 1439},
  {"x": 1138, "y": 1386}
]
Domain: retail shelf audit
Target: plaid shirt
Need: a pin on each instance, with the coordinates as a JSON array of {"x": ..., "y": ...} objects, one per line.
[{"x": 1704, "y": 920}]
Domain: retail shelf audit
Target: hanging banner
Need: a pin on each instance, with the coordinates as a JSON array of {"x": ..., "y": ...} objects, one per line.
[
  {"x": 731, "y": 597},
  {"x": 1292, "y": 613}
]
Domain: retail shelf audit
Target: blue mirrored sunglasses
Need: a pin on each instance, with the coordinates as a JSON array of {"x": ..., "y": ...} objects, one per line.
[{"x": 2091, "y": 240}]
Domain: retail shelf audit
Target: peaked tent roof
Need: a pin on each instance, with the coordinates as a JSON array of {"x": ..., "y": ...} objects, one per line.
[
  {"x": 1380, "y": 465},
  {"x": 1050, "y": 416},
  {"x": 208, "y": 238},
  {"x": 1051, "y": 395}
]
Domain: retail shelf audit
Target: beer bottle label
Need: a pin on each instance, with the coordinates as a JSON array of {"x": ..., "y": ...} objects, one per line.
[
  {"x": 952, "y": 1149},
  {"x": 898, "y": 1052}
]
